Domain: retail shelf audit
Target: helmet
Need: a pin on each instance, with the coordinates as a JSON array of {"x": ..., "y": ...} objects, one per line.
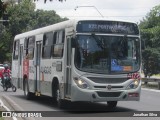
[{"x": 5, "y": 66}]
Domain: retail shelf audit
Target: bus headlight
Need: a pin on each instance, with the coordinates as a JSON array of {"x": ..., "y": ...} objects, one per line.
[
  {"x": 81, "y": 83},
  {"x": 134, "y": 84}
]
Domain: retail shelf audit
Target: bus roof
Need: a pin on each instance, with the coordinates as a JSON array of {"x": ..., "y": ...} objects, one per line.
[
  {"x": 62, "y": 25},
  {"x": 103, "y": 19},
  {"x": 42, "y": 30}
]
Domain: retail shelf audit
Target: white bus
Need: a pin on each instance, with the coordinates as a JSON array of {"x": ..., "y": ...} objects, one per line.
[{"x": 92, "y": 60}]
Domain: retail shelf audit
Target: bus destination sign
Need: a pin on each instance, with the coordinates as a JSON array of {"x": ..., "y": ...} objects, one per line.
[{"x": 111, "y": 27}]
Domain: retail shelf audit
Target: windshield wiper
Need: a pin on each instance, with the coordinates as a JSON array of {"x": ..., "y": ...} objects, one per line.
[{"x": 99, "y": 41}]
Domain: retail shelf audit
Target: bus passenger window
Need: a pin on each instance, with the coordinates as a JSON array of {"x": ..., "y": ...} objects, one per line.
[
  {"x": 47, "y": 43},
  {"x": 60, "y": 37},
  {"x": 31, "y": 44},
  {"x": 58, "y": 44},
  {"x": 55, "y": 38},
  {"x": 16, "y": 47},
  {"x": 26, "y": 48}
]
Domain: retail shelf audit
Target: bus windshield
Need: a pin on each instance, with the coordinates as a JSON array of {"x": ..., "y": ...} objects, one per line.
[{"x": 107, "y": 54}]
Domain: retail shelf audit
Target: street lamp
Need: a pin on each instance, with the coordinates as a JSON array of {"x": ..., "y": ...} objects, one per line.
[{"x": 89, "y": 6}]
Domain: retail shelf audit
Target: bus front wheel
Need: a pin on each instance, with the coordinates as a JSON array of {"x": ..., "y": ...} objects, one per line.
[{"x": 57, "y": 99}]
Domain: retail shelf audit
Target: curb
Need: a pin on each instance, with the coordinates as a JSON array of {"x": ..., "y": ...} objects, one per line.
[{"x": 15, "y": 106}]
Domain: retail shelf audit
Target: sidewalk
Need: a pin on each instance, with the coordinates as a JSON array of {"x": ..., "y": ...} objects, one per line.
[
  {"x": 4, "y": 108},
  {"x": 9, "y": 104},
  {"x": 4, "y": 118}
]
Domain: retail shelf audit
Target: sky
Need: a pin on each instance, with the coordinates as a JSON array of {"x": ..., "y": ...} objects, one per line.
[{"x": 132, "y": 10}]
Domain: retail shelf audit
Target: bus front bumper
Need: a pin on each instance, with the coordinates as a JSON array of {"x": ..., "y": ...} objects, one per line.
[{"x": 79, "y": 94}]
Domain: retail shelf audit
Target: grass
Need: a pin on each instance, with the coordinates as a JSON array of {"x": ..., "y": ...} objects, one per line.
[
  {"x": 1, "y": 118},
  {"x": 150, "y": 86},
  {"x": 157, "y": 75}
]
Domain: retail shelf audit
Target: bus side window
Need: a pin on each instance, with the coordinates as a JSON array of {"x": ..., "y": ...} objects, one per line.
[
  {"x": 47, "y": 44},
  {"x": 16, "y": 48},
  {"x": 26, "y": 48},
  {"x": 31, "y": 45},
  {"x": 58, "y": 44},
  {"x": 55, "y": 38}
]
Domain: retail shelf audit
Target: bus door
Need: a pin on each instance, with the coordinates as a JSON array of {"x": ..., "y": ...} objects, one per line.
[
  {"x": 20, "y": 69},
  {"x": 68, "y": 68},
  {"x": 37, "y": 66}
]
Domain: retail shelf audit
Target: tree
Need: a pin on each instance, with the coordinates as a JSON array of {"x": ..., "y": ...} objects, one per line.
[
  {"x": 22, "y": 18},
  {"x": 151, "y": 58},
  {"x": 150, "y": 34},
  {"x": 3, "y": 7},
  {"x": 5, "y": 38},
  {"x": 51, "y": 0},
  {"x": 44, "y": 18}
]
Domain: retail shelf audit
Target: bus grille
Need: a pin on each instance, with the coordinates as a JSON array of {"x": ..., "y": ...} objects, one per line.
[
  {"x": 108, "y": 80},
  {"x": 109, "y": 94},
  {"x": 113, "y": 87}
]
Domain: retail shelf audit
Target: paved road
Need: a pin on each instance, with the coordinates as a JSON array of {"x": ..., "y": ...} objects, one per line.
[{"x": 150, "y": 101}]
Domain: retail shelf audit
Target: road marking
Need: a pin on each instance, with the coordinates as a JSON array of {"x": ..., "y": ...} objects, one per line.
[
  {"x": 5, "y": 107},
  {"x": 15, "y": 106},
  {"x": 151, "y": 90}
]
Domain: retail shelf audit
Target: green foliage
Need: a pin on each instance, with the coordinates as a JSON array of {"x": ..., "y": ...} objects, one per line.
[
  {"x": 150, "y": 33},
  {"x": 51, "y": 0},
  {"x": 151, "y": 59},
  {"x": 22, "y": 18},
  {"x": 44, "y": 18},
  {"x": 1, "y": 8},
  {"x": 5, "y": 44}
]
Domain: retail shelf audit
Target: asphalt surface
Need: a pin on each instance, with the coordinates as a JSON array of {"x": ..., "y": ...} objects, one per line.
[
  {"x": 78, "y": 118},
  {"x": 13, "y": 106}
]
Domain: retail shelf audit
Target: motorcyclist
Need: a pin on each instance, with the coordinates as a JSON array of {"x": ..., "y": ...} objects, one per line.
[{"x": 5, "y": 71}]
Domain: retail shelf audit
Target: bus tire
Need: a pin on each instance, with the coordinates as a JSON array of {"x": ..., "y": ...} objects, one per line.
[
  {"x": 60, "y": 103},
  {"x": 111, "y": 104},
  {"x": 27, "y": 93}
]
